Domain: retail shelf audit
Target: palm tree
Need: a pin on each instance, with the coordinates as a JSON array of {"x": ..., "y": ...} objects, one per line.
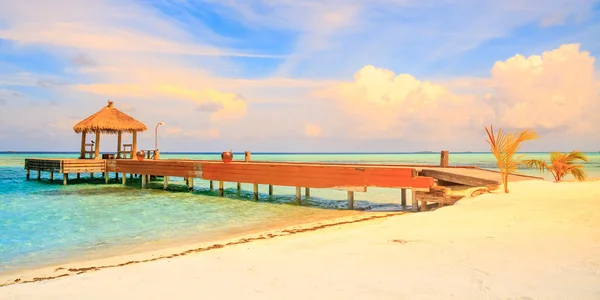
[
  {"x": 504, "y": 146},
  {"x": 560, "y": 165}
]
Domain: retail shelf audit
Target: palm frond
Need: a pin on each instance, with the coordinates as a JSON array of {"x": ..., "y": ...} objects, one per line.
[
  {"x": 576, "y": 155},
  {"x": 578, "y": 172},
  {"x": 538, "y": 164}
]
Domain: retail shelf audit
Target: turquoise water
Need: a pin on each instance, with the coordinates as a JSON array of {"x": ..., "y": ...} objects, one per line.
[{"x": 44, "y": 224}]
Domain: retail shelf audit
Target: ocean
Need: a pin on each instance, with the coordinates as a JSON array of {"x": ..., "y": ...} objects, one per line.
[{"x": 43, "y": 224}]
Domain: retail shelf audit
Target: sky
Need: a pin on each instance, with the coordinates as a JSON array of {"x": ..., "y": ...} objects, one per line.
[{"x": 302, "y": 75}]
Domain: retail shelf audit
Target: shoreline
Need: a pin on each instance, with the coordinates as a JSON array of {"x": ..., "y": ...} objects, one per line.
[{"x": 165, "y": 250}]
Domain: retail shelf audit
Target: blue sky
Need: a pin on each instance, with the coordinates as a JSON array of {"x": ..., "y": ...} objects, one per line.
[{"x": 379, "y": 75}]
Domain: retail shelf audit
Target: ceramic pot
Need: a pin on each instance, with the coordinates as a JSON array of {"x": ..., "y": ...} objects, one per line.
[
  {"x": 140, "y": 155},
  {"x": 227, "y": 156}
]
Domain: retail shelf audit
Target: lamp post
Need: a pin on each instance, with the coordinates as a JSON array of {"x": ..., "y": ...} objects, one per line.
[{"x": 156, "y": 135}]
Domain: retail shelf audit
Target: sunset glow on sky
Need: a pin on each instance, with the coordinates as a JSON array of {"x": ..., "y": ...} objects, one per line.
[{"x": 302, "y": 75}]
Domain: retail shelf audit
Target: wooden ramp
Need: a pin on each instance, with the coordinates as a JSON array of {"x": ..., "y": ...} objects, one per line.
[{"x": 471, "y": 176}]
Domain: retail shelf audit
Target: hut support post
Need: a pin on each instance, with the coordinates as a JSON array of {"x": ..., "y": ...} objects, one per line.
[
  {"x": 211, "y": 185},
  {"x": 65, "y": 178},
  {"x": 144, "y": 181},
  {"x": 106, "y": 175},
  {"x": 39, "y": 175},
  {"x": 307, "y": 192},
  {"x": 255, "y": 191},
  {"x": 82, "y": 152},
  {"x": 166, "y": 183},
  {"x": 413, "y": 198},
  {"x": 221, "y": 187},
  {"x": 134, "y": 145},
  {"x": 119, "y": 140},
  {"x": 270, "y": 190},
  {"x": 350, "y": 199},
  {"x": 27, "y": 175},
  {"x": 298, "y": 194},
  {"x": 124, "y": 178},
  {"x": 97, "y": 150},
  {"x": 78, "y": 176},
  {"x": 51, "y": 176},
  {"x": 239, "y": 186}
]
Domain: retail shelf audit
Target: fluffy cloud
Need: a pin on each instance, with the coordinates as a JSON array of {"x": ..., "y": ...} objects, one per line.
[
  {"x": 383, "y": 104},
  {"x": 555, "y": 90}
]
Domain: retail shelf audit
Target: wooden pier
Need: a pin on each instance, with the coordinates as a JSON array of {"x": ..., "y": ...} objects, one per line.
[{"x": 418, "y": 181}]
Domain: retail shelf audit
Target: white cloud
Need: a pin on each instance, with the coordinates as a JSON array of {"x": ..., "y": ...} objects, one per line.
[{"x": 549, "y": 91}]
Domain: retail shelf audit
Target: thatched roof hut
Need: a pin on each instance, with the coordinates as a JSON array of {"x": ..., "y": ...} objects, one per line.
[{"x": 109, "y": 120}]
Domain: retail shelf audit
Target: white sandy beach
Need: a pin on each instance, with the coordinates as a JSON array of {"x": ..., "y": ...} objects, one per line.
[{"x": 541, "y": 241}]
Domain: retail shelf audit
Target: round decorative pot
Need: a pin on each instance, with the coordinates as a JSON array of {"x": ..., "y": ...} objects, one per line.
[
  {"x": 140, "y": 155},
  {"x": 227, "y": 156}
]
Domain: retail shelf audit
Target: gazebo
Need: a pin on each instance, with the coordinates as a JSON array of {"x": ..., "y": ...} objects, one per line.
[{"x": 108, "y": 120}]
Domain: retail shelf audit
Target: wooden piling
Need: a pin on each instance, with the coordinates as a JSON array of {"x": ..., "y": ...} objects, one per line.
[
  {"x": 423, "y": 205},
  {"x": 298, "y": 194},
  {"x": 191, "y": 183},
  {"x": 51, "y": 176},
  {"x": 39, "y": 175},
  {"x": 92, "y": 175},
  {"x": 444, "y": 158},
  {"x": 65, "y": 178},
  {"x": 221, "y": 188},
  {"x": 247, "y": 155},
  {"x": 403, "y": 197},
  {"x": 27, "y": 174},
  {"x": 144, "y": 181},
  {"x": 350, "y": 199},
  {"x": 106, "y": 176},
  {"x": 117, "y": 176},
  {"x": 78, "y": 176},
  {"x": 255, "y": 191},
  {"x": 239, "y": 186},
  {"x": 211, "y": 186},
  {"x": 165, "y": 182},
  {"x": 124, "y": 178},
  {"x": 307, "y": 192},
  {"x": 270, "y": 190},
  {"x": 413, "y": 198}
]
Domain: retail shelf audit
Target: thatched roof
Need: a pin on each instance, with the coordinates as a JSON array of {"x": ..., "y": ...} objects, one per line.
[{"x": 109, "y": 120}]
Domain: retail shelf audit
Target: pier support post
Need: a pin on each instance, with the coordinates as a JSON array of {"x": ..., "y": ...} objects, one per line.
[
  {"x": 124, "y": 178},
  {"x": 221, "y": 187},
  {"x": 298, "y": 194},
  {"x": 191, "y": 183},
  {"x": 255, "y": 191},
  {"x": 165, "y": 183},
  {"x": 211, "y": 185},
  {"x": 78, "y": 176},
  {"x": 403, "y": 198},
  {"x": 307, "y": 192},
  {"x": 117, "y": 176},
  {"x": 39, "y": 175},
  {"x": 27, "y": 174},
  {"x": 270, "y": 190},
  {"x": 144, "y": 181},
  {"x": 92, "y": 175},
  {"x": 423, "y": 205},
  {"x": 350, "y": 199},
  {"x": 106, "y": 175},
  {"x": 413, "y": 198},
  {"x": 65, "y": 178},
  {"x": 131, "y": 176},
  {"x": 444, "y": 158},
  {"x": 239, "y": 186},
  {"x": 247, "y": 156},
  {"x": 51, "y": 176}
]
